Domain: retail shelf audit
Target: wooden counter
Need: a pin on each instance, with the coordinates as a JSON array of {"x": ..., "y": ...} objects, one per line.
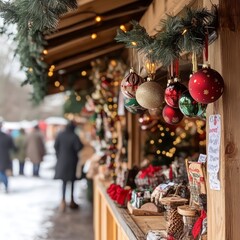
[{"x": 114, "y": 223}]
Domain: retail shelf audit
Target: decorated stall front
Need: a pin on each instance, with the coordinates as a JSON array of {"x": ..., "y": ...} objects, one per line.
[{"x": 173, "y": 183}]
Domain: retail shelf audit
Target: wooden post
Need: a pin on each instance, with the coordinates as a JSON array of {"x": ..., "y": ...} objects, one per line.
[
  {"x": 224, "y": 205},
  {"x": 134, "y": 140}
]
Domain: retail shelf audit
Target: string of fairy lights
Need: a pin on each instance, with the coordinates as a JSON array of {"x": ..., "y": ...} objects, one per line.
[{"x": 164, "y": 141}]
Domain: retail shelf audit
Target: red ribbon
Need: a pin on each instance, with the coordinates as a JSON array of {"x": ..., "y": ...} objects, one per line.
[
  {"x": 206, "y": 47},
  {"x": 149, "y": 171},
  {"x": 198, "y": 224},
  {"x": 170, "y": 173}
]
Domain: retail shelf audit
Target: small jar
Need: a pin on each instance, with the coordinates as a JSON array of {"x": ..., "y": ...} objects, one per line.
[
  {"x": 190, "y": 216},
  {"x": 173, "y": 218}
]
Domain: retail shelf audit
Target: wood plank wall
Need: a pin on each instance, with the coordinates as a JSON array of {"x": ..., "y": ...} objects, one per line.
[{"x": 224, "y": 205}]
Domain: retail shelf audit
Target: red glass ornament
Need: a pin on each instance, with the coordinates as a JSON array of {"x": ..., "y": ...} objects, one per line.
[
  {"x": 172, "y": 115},
  {"x": 206, "y": 85},
  {"x": 130, "y": 83},
  {"x": 173, "y": 93}
]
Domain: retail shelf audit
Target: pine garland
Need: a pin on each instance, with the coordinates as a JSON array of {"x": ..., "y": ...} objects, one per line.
[
  {"x": 186, "y": 34},
  {"x": 33, "y": 19},
  {"x": 137, "y": 38}
]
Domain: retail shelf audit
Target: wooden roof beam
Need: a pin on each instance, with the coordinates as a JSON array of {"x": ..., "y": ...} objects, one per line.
[
  {"x": 90, "y": 9},
  {"x": 92, "y": 22},
  {"x": 88, "y": 56},
  {"x": 80, "y": 45}
]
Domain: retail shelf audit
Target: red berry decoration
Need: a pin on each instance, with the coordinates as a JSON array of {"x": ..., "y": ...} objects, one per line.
[
  {"x": 130, "y": 83},
  {"x": 172, "y": 115},
  {"x": 173, "y": 93},
  {"x": 206, "y": 85}
]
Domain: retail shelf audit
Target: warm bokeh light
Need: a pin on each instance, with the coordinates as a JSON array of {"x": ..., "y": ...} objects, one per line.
[
  {"x": 123, "y": 28},
  {"x": 98, "y": 19},
  {"x": 83, "y": 73},
  {"x": 56, "y": 83},
  {"x": 50, "y": 74},
  {"x": 94, "y": 36}
]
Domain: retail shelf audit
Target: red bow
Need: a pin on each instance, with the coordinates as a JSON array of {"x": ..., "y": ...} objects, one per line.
[
  {"x": 119, "y": 194},
  {"x": 112, "y": 191},
  {"x": 149, "y": 171},
  {"x": 123, "y": 196},
  {"x": 198, "y": 224}
]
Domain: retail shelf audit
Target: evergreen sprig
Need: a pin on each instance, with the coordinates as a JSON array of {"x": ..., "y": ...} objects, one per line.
[
  {"x": 137, "y": 38},
  {"x": 167, "y": 46},
  {"x": 33, "y": 18},
  {"x": 178, "y": 35}
]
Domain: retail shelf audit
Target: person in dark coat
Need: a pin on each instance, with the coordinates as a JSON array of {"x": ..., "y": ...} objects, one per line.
[
  {"x": 67, "y": 145},
  {"x": 6, "y": 146}
]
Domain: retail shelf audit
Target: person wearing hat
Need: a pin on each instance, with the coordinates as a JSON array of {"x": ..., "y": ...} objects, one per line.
[{"x": 6, "y": 146}]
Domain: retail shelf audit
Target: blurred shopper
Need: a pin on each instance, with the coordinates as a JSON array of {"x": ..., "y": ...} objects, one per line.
[
  {"x": 20, "y": 143},
  {"x": 67, "y": 146},
  {"x": 6, "y": 146},
  {"x": 35, "y": 149}
]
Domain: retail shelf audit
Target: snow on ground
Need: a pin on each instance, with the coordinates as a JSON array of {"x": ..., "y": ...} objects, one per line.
[{"x": 30, "y": 201}]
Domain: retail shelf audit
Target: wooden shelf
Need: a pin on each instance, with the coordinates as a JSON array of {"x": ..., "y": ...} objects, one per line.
[{"x": 115, "y": 223}]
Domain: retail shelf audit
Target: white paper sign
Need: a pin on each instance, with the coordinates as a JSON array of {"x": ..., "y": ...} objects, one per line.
[
  {"x": 214, "y": 140},
  {"x": 214, "y": 181},
  {"x": 202, "y": 158}
]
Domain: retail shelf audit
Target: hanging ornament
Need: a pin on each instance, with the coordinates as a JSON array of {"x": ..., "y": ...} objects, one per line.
[
  {"x": 206, "y": 85},
  {"x": 130, "y": 84},
  {"x": 133, "y": 106},
  {"x": 172, "y": 115},
  {"x": 173, "y": 92},
  {"x": 150, "y": 95},
  {"x": 189, "y": 107}
]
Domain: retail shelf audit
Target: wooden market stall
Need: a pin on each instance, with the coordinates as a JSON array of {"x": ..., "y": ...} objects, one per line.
[
  {"x": 70, "y": 51},
  {"x": 83, "y": 59},
  {"x": 223, "y": 204}
]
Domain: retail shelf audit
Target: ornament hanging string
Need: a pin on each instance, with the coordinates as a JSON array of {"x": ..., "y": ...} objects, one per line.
[
  {"x": 194, "y": 62},
  {"x": 176, "y": 68},
  {"x": 171, "y": 69},
  {"x": 206, "y": 48}
]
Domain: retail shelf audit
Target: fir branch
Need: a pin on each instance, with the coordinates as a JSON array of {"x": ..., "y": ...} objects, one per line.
[
  {"x": 137, "y": 38},
  {"x": 196, "y": 24},
  {"x": 33, "y": 17},
  {"x": 167, "y": 45},
  {"x": 8, "y": 12}
]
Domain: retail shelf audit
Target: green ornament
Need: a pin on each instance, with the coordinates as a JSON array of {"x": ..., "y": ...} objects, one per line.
[
  {"x": 189, "y": 107},
  {"x": 132, "y": 106}
]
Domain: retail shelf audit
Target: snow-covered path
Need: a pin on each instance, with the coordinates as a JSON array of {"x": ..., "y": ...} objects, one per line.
[{"x": 25, "y": 211}]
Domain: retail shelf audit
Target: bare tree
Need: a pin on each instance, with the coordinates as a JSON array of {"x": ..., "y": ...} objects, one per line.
[{"x": 14, "y": 99}]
